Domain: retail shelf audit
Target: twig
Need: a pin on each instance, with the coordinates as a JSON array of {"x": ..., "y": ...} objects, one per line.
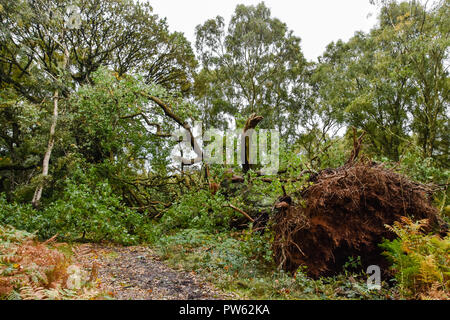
[{"x": 241, "y": 212}]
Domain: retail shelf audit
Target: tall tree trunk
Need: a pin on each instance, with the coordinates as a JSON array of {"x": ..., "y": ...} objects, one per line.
[{"x": 51, "y": 141}]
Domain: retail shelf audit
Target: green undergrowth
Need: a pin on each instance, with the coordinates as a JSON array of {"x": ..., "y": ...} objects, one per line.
[
  {"x": 241, "y": 263},
  {"x": 420, "y": 261},
  {"x": 82, "y": 213}
]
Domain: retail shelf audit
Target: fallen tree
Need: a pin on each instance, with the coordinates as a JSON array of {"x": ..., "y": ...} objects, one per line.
[{"x": 345, "y": 213}]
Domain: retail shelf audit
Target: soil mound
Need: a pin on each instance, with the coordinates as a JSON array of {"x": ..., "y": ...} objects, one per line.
[{"x": 344, "y": 215}]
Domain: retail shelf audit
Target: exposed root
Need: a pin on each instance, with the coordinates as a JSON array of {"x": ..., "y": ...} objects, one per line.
[{"x": 345, "y": 215}]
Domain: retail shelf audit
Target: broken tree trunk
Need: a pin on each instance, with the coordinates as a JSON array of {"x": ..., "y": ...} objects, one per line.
[{"x": 247, "y": 140}]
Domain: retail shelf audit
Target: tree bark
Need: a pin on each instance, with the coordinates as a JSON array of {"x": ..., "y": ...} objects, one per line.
[
  {"x": 193, "y": 142},
  {"x": 45, "y": 163},
  {"x": 246, "y": 142}
]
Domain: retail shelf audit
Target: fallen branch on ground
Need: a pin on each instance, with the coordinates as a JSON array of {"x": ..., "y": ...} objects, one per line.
[{"x": 240, "y": 211}]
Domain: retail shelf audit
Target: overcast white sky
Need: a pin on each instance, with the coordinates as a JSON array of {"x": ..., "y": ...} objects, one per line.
[{"x": 316, "y": 22}]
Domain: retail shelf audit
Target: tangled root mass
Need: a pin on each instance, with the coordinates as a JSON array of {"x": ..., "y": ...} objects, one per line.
[{"x": 345, "y": 214}]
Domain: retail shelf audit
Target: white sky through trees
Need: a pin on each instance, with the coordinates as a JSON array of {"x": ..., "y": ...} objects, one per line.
[{"x": 316, "y": 22}]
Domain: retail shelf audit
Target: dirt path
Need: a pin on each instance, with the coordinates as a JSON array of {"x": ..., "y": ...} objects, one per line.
[{"x": 137, "y": 273}]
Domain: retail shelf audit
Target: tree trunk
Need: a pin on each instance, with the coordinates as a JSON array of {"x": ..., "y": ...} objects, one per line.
[
  {"x": 45, "y": 163},
  {"x": 246, "y": 141}
]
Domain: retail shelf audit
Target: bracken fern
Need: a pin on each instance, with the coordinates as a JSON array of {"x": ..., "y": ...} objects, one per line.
[
  {"x": 32, "y": 270},
  {"x": 420, "y": 261}
]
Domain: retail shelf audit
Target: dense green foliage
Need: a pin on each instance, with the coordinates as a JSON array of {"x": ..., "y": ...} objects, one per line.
[{"x": 83, "y": 213}]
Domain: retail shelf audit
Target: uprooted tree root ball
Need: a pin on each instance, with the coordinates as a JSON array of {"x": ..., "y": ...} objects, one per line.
[{"x": 344, "y": 215}]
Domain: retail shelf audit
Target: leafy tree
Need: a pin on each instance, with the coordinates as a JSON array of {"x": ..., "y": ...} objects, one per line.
[
  {"x": 135, "y": 40},
  {"x": 253, "y": 67},
  {"x": 45, "y": 57},
  {"x": 423, "y": 36},
  {"x": 392, "y": 82}
]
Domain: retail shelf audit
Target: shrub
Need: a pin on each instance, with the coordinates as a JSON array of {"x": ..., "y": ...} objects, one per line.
[
  {"x": 82, "y": 213},
  {"x": 423, "y": 169},
  {"x": 198, "y": 210},
  {"x": 420, "y": 262}
]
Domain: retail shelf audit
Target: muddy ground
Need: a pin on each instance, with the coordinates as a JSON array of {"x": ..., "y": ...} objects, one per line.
[{"x": 136, "y": 273}]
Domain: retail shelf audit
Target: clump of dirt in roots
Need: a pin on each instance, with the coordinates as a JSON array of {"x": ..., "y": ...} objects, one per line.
[{"x": 345, "y": 216}]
